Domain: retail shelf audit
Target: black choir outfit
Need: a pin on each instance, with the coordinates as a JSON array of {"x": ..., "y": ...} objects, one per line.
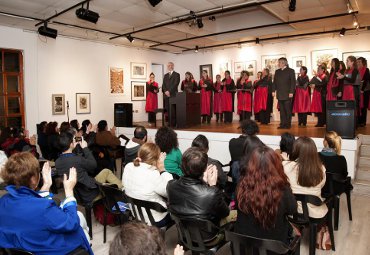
[
  {"x": 217, "y": 100},
  {"x": 263, "y": 99},
  {"x": 151, "y": 104},
  {"x": 189, "y": 86},
  {"x": 302, "y": 99},
  {"x": 244, "y": 94},
  {"x": 206, "y": 99},
  {"x": 318, "y": 104},
  {"x": 228, "y": 88}
]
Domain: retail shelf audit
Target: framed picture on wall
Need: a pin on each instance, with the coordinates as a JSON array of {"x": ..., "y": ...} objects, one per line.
[
  {"x": 238, "y": 67},
  {"x": 357, "y": 54},
  {"x": 271, "y": 62},
  {"x": 297, "y": 62},
  {"x": 58, "y": 104},
  {"x": 116, "y": 80},
  {"x": 207, "y": 68},
  {"x": 319, "y": 57},
  {"x": 138, "y": 70},
  {"x": 251, "y": 67},
  {"x": 225, "y": 66},
  {"x": 83, "y": 103},
  {"x": 138, "y": 90}
]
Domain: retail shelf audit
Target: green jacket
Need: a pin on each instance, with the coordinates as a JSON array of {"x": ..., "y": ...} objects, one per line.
[{"x": 172, "y": 163}]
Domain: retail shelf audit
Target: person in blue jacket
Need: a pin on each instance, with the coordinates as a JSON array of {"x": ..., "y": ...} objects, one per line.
[{"x": 29, "y": 219}]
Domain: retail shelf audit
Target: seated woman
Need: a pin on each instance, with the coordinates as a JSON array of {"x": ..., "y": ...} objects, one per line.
[
  {"x": 88, "y": 132},
  {"x": 333, "y": 161},
  {"x": 105, "y": 137},
  {"x": 32, "y": 222},
  {"x": 306, "y": 174},
  {"x": 264, "y": 197},
  {"x": 166, "y": 139},
  {"x": 286, "y": 146},
  {"x": 146, "y": 179}
]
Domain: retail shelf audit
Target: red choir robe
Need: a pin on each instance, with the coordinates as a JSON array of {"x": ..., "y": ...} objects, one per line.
[
  {"x": 151, "y": 96},
  {"x": 261, "y": 94},
  {"x": 316, "y": 103},
  {"x": 348, "y": 90},
  {"x": 302, "y": 98},
  {"x": 333, "y": 86},
  {"x": 228, "y": 86},
  {"x": 244, "y": 96},
  {"x": 217, "y": 99},
  {"x": 206, "y": 96}
]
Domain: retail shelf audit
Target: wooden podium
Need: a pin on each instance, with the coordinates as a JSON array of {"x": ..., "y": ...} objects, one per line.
[{"x": 185, "y": 109}]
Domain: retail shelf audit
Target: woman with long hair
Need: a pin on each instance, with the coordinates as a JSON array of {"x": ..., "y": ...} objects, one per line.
[
  {"x": 256, "y": 96},
  {"x": 306, "y": 174},
  {"x": 263, "y": 100},
  {"x": 302, "y": 99},
  {"x": 228, "y": 87},
  {"x": 333, "y": 84},
  {"x": 365, "y": 90},
  {"x": 245, "y": 90},
  {"x": 151, "y": 104},
  {"x": 217, "y": 99},
  {"x": 206, "y": 86},
  {"x": 319, "y": 86},
  {"x": 264, "y": 197},
  {"x": 349, "y": 78},
  {"x": 286, "y": 146},
  {"x": 189, "y": 84}
]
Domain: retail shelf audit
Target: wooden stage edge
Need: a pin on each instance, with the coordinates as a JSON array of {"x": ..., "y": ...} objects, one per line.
[{"x": 271, "y": 129}]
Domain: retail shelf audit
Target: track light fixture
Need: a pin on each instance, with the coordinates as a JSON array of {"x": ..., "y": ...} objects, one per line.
[
  {"x": 130, "y": 38},
  {"x": 292, "y": 5},
  {"x": 154, "y": 2},
  {"x": 212, "y": 18},
  {"x": 349, "y": 7},
  {"x": 87, "y": 15},
  {"x": 342, "y": 32},
  {"x": 257, "y": 40},
  {"x": 355, "y": 21},
  {"x": 200, "y": 23},
  {"x": 196, "y": 49},
  {"x": 47, "y": 31}
]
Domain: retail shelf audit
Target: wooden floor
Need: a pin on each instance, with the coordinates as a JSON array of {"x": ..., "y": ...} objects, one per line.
[{"x": 271, "y": 129}]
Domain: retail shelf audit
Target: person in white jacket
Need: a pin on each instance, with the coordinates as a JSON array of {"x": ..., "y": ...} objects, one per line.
[{"x": 146, "y": 179}]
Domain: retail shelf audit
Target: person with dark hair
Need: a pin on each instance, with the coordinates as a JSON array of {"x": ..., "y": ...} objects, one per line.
[
  {"x": 201, "y": 142},
  {"x": 206, "y": 87},
  {"x": 134, "y": 144},
  {"x": 365, "y": 90},
  {"x": 264, "y": 197},
  {"x": 350, "y": 86},
  {"x": 105, "y": 137},
  {"x": 88, "y": 132},
  {"x": 283, "y": 87},
  {"x": 196, "y": 193},
  {"x": 302, "y": 99},
  {"x": 170, "y": 85},
  {"x": 75, "y": 124},
  {"x": 228, "y": 88},
  {"x": 244, "y": 95},
  {"x": 263, "y": 102},
  {"x": 189, "y": 85},
  {"x": 64, "y": 126},
  {"x": 52, "y": 133},
  {"x": 217, "y": 98},
  {"x": 151, "y": 104},
  {"x": 166, "y": 139},
  {"x": 256, "y": 97},
  {"x": 306, "y": 174},
  {"x": 333, "y": 83},
  {"x": 42, "y": 139},
  {"x": 30, "y": 219},
  {"x": 318, "y": 104},
  {"x": 286, "y": 146},
  {"x": 85, "y": 165}
]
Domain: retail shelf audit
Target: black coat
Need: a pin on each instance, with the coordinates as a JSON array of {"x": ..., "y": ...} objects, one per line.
[
  {"x": 284, "y": 83},
  {"x": 171, "y": 83}
]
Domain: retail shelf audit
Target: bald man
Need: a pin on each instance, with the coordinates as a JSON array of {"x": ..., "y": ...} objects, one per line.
[{"x": 170, "y": 85}]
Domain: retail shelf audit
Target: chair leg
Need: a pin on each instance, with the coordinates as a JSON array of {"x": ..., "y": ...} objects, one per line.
[
  {"x": 105, "y": 225},
  {"x": 312, "y": 241},
  {"x": 88, "y": 220},
  {"x": 348, "y": 194},
  {"x": 330, "y": 228},
  {"x": 336, "y": 212}
]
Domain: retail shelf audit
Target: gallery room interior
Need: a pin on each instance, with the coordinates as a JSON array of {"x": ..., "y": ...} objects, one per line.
[{"x": 84, "y": 59}]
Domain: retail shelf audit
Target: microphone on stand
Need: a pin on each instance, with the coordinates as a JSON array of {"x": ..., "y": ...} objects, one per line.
[{"x": 68, "y": 111}]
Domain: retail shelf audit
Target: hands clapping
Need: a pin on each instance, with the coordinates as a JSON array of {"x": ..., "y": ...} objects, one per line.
[{"x": 210, "y": 175}]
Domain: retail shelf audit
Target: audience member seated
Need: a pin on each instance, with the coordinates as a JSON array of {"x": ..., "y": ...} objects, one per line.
[
  {"x": 264, "y": 197},
  {"x": 146, "y": 179},
  {"x": 137, "y": 238},
  {"x": 166, "y": 139},
  {"x": 134, "y": 144},
  {"x": 52, "y": 133},
  {"x": 105, "y": 137},
  {"x": 5, "y": 134},
  {"x": 85, "y": 165},
  {"x": 64, "y": 127},
  {"x": 333, "y": 161},
  {"x": 19, "y": 141},
  {"x": 195, "y": 194},
  {"x": 286, "y": 146},
  {"x": 75, "y": 125},
  {"x": 31, "y": 220},
  {"x": 88, "y": 132},
  {"x": 3, "y": 160},
  {"x": 42, "y": 139},
  {"x": 306, "y": 174},
  {"x": 201, "y": 142}
]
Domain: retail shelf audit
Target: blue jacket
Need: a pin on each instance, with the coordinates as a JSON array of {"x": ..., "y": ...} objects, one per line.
[{"x": 36, "y": 224}]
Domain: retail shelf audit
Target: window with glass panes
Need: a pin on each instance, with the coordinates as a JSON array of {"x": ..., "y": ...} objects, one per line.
[{"x": 11, "y": 88}]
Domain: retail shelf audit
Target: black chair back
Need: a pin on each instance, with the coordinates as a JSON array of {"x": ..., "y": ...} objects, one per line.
[
  {"x": 112, "y": 195},
  {"x": 14, "y": 251},
  {"x": 138, "y": 206},
  {"x": 191, "y": 232},
  {"x": 307, "y": 199},
  {"x": 245, "y": 245},
  {"x": 336, "y": 179}
]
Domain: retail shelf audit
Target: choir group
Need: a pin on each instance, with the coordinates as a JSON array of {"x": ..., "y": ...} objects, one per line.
[{"x": 345, "y": 81}]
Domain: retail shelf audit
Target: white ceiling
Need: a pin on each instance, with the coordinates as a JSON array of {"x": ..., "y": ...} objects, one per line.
[{"x": 124, "y": 16}]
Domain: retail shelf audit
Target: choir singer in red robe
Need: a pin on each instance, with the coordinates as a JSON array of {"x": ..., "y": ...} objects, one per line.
[
  {"x": 189, "y": 84},
  {"x": 245, "y": 91},
  {"x": 228, "y": 88},
  {"x": 302, "y": 99},
  {"x": 206, "y": 87},
  {"x": 263, "y": 97},
  {"x": 319, "y": 85},
  {"x": 151, "y": 98},
  {"x": 333, "y": 85},
  {"x": 217, "y": 99}
]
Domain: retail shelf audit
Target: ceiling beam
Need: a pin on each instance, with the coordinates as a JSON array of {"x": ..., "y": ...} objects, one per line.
[
  {"x": 201, "y": 14},
  {"x": 258, "y": 27}
]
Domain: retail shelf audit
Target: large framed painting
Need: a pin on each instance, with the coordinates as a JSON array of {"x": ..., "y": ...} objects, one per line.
[
  {"x": 83, "y": 103},
  {"x": 225, "y": 66},
  {"x": 207, "y": 68},
  {"x": 319, "y": 57},
  {"x": 251, "y": 67},
  {"x": 138, "y": 70},
  {"x": 297, "y": 63},
  {"x": 58, "y": 104},
  {"x": 357, "y": 54},
  {"x": 138, "y": 90},
  {"x": 116, "y": 80},
  {"x": 271, "y": 62}
]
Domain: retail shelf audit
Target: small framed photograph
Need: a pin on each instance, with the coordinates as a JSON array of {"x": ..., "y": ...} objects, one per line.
[
  {"x": 239, "y": 66},
  {"x": 138, "y": 70},
  {"x": 58, "y": 104},
  {"x": 251, "y": 67},
  {"x": 138, "y": 90},
  {"x": 207, "y": 68},
  {"x": 116, "y": 80},
  {"x": 298, "y": 62},
  {"x": 83, "y": 103}
]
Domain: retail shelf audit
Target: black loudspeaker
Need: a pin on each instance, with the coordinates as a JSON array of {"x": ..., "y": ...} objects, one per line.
[
  {"x": 341, "y": 118},
  {"x": 123, "y": 115}
]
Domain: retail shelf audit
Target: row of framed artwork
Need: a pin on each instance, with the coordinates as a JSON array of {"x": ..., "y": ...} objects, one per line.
[
  {"x": 83, "y": 103},
  {"x": 116, "y": 76}
]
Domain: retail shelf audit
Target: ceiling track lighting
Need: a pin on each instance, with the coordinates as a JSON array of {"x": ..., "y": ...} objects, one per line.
[
  {"x": 130, "y": 38},
  {"x": 196, "y": 49},
  {"x": 342, "y": 32},
  {"x": 200, "y": 23},
  {"x": 292, "y": 5},
  {"x": 212, "y": 18},
  {"x": 154, "y": 2},
  {"x": 349, "y": 7},
  {"x": 257, "y": 40},
  {"x": 86, "y": 14},
  {"x": 355, "y": 21},
  {"x": 47, "y": 31}
]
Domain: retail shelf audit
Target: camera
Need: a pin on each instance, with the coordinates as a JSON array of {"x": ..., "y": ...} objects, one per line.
[{"x": 78, "y": 139}]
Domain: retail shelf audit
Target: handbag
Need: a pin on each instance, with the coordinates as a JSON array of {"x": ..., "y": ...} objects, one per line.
[{"x": 323, "y": 241}]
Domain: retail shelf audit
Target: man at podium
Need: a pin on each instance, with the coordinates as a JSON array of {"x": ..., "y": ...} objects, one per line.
[{"x": 170, "y": 85}]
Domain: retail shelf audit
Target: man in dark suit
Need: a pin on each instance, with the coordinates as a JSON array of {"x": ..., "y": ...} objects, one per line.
[
  {"x": 283, "y": 87},
  {"x": 170, "y": 85}
]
